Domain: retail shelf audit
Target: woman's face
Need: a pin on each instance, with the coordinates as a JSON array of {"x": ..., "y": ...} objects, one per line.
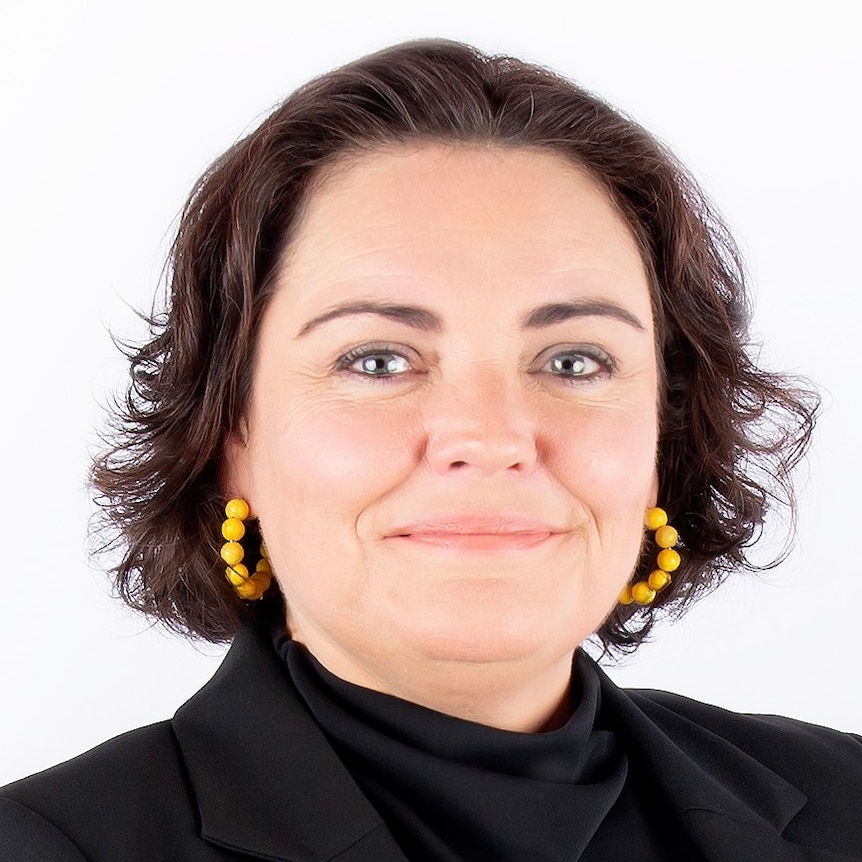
[{"x": 452, "y": 434}]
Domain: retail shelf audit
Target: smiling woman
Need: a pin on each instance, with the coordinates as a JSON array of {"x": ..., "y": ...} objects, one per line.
[
  {"x": 400, "y": 430},
  {"x": 444, "y": 333}
]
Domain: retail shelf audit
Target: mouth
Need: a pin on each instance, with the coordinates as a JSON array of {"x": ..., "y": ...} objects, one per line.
[
  {"x": 477, "y": 541},
  {"x": 493, "y": 533}
]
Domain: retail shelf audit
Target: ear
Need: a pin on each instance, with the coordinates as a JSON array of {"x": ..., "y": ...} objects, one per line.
[
  {"x": 653, "y": 494},
  {"x": 234, "y": 471}
]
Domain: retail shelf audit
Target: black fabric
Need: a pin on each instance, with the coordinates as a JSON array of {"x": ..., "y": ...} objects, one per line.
[
  {"x": 244, "y": 771},
  {"x": 26, "y": 835},
  {"x": 453, "y": 790}
]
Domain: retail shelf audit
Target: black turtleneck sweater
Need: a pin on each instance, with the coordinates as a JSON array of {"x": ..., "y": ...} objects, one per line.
[{"x": 452, "y": 790}]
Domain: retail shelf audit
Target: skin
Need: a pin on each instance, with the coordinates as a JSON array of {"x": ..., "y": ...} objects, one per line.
[{"x": 451, "y": 513}]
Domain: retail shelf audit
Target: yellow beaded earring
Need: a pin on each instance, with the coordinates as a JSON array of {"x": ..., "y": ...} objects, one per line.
[
  {"x": 247, "y": 586},
  {"x": 667, "y": 561}
]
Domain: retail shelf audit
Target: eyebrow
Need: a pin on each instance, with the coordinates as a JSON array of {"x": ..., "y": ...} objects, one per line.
[
  {"x": 428, "y": 321},
  {"x": 559, "y": 312},
  {"x": 412, "y": 315}
]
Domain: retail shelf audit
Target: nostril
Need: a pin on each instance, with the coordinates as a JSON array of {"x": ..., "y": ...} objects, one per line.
[{"x": 466, "y": 447}]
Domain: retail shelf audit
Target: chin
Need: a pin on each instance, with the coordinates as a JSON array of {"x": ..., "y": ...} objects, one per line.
[
  {"x": 488, "y": 635},
  {"x": 482, "y": 649}
]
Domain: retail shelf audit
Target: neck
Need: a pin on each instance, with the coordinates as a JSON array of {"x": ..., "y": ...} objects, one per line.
[{"x": 526, "y": 696}]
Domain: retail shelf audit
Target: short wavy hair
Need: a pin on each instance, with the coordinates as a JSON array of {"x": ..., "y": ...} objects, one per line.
[{"x": 730, "y": 432}]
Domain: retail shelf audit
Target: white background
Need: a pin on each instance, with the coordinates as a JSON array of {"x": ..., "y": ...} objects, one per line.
[{"x": 111, "y": 110}]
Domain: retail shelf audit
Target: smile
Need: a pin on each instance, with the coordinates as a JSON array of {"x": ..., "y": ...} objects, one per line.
[
  {"x": 477, "y": 541},
  {"x": 494, "y": 532}
]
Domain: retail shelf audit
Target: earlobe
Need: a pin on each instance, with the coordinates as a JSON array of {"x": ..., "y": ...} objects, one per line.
[
  {"x": 653, "y": 494},
  {"x": 234, "y": 471}
]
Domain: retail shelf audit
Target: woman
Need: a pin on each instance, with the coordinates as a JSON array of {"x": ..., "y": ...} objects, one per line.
[{"x": 445, "y": 333}]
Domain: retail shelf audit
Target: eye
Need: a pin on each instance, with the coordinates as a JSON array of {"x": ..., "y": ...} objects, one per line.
[
  {"x": 374, "y": 362},
  {"x": 581, "y": 363},
  {"x": 380, "y": 365}
]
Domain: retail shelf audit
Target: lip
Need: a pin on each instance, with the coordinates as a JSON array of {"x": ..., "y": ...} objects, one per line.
[{"x": 497, "y": 531}]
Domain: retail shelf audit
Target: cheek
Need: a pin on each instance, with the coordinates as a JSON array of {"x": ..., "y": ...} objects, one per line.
[
  {"x": 318, "y": 469},
  {"x": 336, "y": 456},
  {"x": 606, "y": 456}
]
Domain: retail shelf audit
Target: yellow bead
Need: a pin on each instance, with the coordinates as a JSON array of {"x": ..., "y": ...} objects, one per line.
[
  {"x": 626, "y": 596},
  {"x": 237, "y": 509},
  {"x": 668, "y": 559},
  {"x": 655, "y": 518},
  {"x": 262, "y": 580},
  {"x": 658, "y": 580},
  {"x": 232, "y": 553},
  {"x": 263, "y": 566},
  {"x": 643, "y": 593},
  {"x": 248, "y": 590},
  {"x": 237, "y": 574},
  {"x": 233, "y": 529},
  {"x": 666, "y": 537}
]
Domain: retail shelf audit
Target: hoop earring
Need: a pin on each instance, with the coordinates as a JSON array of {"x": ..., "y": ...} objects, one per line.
[
  {"x": 247, "y": 586},
  {"x": 667, "y": 561}
]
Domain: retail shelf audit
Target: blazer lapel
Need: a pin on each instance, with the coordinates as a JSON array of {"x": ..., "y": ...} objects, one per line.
[
  {"x": 732, "y": 807},
  {"x": 268, "y": 784},
  {"x": 265, "y": 779}
]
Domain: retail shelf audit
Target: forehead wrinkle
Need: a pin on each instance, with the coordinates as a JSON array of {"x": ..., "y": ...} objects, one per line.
[
  {"x": 321, "y": 221},
  {"x": 347, "y": 252}
]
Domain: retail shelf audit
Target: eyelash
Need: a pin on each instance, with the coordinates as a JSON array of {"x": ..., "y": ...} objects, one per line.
[
  {"x": 345, "y": 362},
  {"x": 606, "y": 364}
]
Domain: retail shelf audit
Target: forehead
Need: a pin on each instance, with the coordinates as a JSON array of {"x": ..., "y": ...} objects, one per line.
[{"x": 499, "y": 218}]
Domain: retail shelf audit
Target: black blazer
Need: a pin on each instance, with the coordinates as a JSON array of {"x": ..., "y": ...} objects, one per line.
[{"x": 243, "y": 772}]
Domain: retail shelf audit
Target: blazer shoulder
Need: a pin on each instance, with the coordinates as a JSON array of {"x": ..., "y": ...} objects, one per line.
[
  {"x": 135, "y": 757},
  {"x": 26, "y": 836},
  {"x": 763, "y": 732},
  {"x": 132, "y": 784},
  {"x": 825, "y": 764}
]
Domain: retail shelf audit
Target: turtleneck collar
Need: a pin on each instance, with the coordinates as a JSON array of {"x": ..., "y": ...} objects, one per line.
[{"x": 451, "y": 789}]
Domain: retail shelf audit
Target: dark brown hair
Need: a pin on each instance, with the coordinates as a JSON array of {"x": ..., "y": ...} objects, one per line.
[{"x": 729, "y": 433}]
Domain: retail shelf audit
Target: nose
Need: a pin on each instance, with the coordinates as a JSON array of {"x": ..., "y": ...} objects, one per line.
[{"x": 483, "y": 426}]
